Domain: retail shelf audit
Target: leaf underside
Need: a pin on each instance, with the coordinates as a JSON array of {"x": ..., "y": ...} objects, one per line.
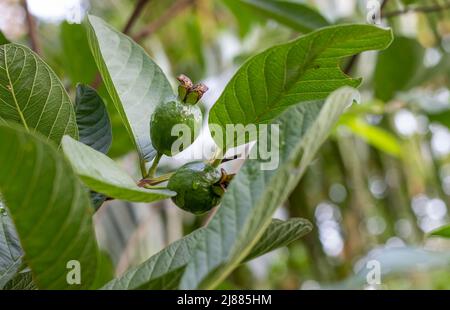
[
  {"x": 101, "y": 174},
  {"x": 164, "y": 269},
  {"x": 279, "y": 234},
  {"x": 135, "y": 83},
  {"x": 93, "y": 121}
]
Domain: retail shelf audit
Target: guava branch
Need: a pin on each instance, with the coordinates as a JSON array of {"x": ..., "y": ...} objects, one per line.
[
  {"x": 131, "y": 21},
  {"x": 418, "y": 9},
  {"x": 170, "y": 13},
  {"x": 135, "y": 15},
  {"x": 32, "y": 29}
]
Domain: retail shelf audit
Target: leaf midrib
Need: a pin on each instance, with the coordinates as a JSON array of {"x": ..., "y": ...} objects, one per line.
[{"x": 11, "y": 86}]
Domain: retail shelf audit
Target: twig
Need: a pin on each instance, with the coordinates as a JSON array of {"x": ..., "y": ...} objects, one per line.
[
  {"x": 418, "y": 9},
  {"x": 170, "y": 13},
  {"x": 32, "y": 29},
  {"x": 134, "y": 16},
  {"x": 152, "y": 170}
]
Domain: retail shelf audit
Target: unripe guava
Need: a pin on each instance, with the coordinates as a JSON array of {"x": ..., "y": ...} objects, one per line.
[
  {"x": 180, "y": 111},
  {"x": 165, "y": 117},
  {"x": 196, "y": 185}
]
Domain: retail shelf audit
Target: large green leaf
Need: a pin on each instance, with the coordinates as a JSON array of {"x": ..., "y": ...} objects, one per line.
[
  {"x": 164, "y": 269},
  {"x": 101, "y": 174},
  {"x": 301, "y": 70},
  {"x": 254, "y": 194},
  {"x": 32, "y": 95},
  {"x": 443, "y": 231},
  {"x": 279, "y": 234},
  {"x": 397, "y": 67},
  {"x": 93, "y": 121},
  {"x": 135, "y": 83},
  {"x": 10, "y": 249},
  {"x": 77, "y": 59},
  {"x": 298, "y": 16},
  {"x": 50, "y": 209}
]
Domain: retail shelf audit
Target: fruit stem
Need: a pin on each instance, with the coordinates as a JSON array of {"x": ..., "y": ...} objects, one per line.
[
  {"x": 152, "y": 170},
  {"x": 142, "y": 167},
  {"x": 155, "y": 181},
  {"x": 216, "y": 159}
]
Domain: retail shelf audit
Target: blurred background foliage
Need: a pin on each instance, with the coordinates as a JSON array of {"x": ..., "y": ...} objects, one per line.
[{"x": 378, "y": 187}]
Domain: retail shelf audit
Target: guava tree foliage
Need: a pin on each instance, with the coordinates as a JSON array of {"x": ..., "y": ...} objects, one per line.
[{"x": 55, "y": 172}]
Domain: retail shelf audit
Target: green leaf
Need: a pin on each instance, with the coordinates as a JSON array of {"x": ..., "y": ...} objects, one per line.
[
  {"x": 10, "y": 250},
  {"x": 164, "y": 269},
  {"x": 21, "y": 281},
  {"x": 442, "y": 117},
  {"x": 101, "y": 174},
  {"x": 279, "y": 234},
  {"x": 302, "y": 70},
  {"x": 93, "y": 121},
  {"x": 135, "y": 83},
  {"x": 161, "y": 271},
  {"x": 375, "y": 136},
  {"x": 32, "y": 95},
  {"x": 254, "y": 194},
  {"x": 94, "y": 127},
  {"x": 3, "y": 39},
  {"x": 397, "y": 67},
  {"x": 50, "y": 209},
  {"x": 298, "y": 16},
  {"x": 443, "y": 231},
  {"x": 77, "y": 58},
  {"x": 243, "y": 15}
]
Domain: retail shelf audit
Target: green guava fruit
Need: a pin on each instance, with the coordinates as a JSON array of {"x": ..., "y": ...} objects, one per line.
[
  {"x": 198, "y": 187},
  {"x": 168, "y": 115},
  {"x": 177, "y": 111}
]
